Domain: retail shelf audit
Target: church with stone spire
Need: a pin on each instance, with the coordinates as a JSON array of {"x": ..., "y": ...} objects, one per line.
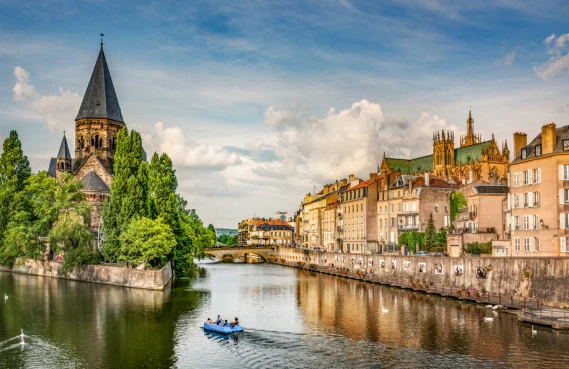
[
  {"x": 473, "y": 160},
  {"x": 96, "y": 127}
]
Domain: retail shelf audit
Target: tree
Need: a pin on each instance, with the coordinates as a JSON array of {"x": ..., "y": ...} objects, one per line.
[
  {"x": 431, "y": 233},
  {"x": 57, "y": 209},
  {"x": 15, "y": 170},
  {"x": 129, "y": 191},
  {"x": 147, "y": 240},
  {"x": 211, "y": 234},
  {"x": 232, "y": 240},
  {"x": 457, "y": 202},
  {"x": 442, "y": 237},
  {"x": 71, "y": 235}
]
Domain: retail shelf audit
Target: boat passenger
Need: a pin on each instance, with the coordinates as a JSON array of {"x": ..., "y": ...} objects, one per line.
[
  {"x": 236, "y": 322},
  {"x": 209, "y": 321},
  {"x": 225, "y": 324},
  {"x": 218, "y": 321}
]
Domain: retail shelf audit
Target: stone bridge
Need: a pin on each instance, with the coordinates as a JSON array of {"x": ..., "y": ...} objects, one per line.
[{"x": 248, "y": 254}]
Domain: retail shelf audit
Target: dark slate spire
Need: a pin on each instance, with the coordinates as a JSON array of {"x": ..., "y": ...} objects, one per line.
[
  {"x": 63, "y": 152},
  {"x": 100, "y": 100}
]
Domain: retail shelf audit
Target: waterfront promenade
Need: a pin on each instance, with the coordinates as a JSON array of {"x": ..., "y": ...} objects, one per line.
[{"x": 528, "y": 309}]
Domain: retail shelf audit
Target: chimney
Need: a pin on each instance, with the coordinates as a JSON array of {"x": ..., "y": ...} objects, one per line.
[
  {"x": 548, "y": 138},
  {"x": 373, "y": 177},
  {"x": 352, "y": 178},
  {"x": 520, "y": 141},
  {"x": 326, "y": 189},
  {"x": 427, "y": 181}
]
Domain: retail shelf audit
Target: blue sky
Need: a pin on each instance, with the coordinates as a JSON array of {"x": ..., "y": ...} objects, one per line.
[{"x": 257, "y": 102}]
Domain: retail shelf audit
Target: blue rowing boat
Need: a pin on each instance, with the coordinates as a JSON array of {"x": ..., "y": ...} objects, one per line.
[{"x": 222, "y": 329}]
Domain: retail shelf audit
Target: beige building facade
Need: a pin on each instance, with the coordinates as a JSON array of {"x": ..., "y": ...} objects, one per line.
[{"x": 539, "y": 198}]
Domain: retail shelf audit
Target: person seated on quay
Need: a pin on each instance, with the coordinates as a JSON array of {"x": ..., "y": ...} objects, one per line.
[
  {"x": 236, "y": 322},
  {"x": 209, "y": 321},
  {"x": 218, "y": 321}
]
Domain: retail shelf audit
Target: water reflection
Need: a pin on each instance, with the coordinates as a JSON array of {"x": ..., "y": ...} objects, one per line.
[{"x": 292, "y": 319}]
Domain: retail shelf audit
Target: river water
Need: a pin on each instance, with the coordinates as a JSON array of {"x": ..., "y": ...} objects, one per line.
[{"x": 292, "y": 319}]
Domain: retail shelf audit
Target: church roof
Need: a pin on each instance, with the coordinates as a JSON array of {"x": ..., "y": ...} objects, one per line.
[
  {"x": 462, "y": 155},
  {"x": 92, "y": 182},
  {"x": 52, "y": 168},
  {"x": 64, "y": 150},
  {"x": 100, "y": 100}
]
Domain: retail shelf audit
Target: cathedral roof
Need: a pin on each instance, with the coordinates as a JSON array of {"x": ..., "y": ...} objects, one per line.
[
  {"x": 100, "y": 100},
  {"x": 466, "y": 154},
  {"x": 64, "y": 150},
  {"x": 92, "y": 182}
]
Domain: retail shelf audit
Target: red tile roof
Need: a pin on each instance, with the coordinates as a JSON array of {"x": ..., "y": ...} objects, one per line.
[{"x": 363, "y": 184}]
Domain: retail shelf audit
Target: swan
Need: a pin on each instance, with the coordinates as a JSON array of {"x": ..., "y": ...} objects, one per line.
[
  {"x": 488, "y": 306},
  {"x": 488, "y": 319},
  {"x": 22, "y": 336},
  {"x": 533, "y": 331},
  {"x": 5, "y": 297}
]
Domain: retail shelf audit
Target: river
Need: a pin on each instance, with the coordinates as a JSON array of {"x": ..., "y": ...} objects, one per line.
[{"x": 292, "y": 319}]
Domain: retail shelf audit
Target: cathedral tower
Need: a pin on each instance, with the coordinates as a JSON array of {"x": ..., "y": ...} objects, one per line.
[
  {"x": 443, "y": 153},
  {"x": 470, "y": 138},
  {"x": 63, "y": 160},
  {"x": 99, "y": 118}
]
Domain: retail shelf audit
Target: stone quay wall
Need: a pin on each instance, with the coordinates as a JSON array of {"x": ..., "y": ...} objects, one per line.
[
  {"x": 117, "y": 276},
  {"x": 543, "y": 278}
]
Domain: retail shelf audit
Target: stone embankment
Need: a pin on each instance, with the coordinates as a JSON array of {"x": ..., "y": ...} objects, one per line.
[
  {"x": 117, "y": 276},
  {"x": 527, "y": 284}
]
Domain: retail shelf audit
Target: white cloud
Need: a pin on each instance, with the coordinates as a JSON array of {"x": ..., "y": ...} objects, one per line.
[
  {"x": 57, "y": 111},
  {"x": 509, "y": 59},
  {"x": 188, "y": 153},
  {"x": 345, "y": 142},
  {"x": 559, "y": 62}
]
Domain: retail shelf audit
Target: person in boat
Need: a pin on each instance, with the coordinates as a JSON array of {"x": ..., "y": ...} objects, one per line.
[
  {"x": 233, "y": 324},
  {"x": 209, "y": 321},
  {"x": 218, "y": 321}
]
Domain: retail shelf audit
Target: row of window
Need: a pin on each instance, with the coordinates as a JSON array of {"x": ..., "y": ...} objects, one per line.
[
  {"x": 531, "y": 244},
  {"x": 354, "y": 208},
  {"x": 527, "y": 177},
  {"x": 352, "y": 195},
  {"x": 525, "y": 222},
  {"x": 524, "y": 200}
]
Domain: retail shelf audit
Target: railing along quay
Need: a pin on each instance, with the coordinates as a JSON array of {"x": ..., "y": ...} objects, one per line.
[{"x": 530, "y": 310}]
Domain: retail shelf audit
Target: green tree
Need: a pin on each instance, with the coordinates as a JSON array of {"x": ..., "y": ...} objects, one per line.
[
  {"x": 413, "y": 239},
  {"x": 129, "y": 191},
  {"x": 457, "y": 202},
  {"x": 211, "y": 234},
  {"x": 442, "y": 237},
  {"x": 151, "y": 241},
  {"x": 232, "y": 240},
  {"x": 15, "y": 170},
  {"x": 51, "y": 204},
  {"x": 71, "y": 235},
  {"x": 431, "y": 233}
]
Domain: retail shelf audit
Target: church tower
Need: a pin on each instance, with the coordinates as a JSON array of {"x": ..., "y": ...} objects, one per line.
[
  {"x": 470, "y": 138},
  {"x": 99, "y": 118},
  {"x": 443, "y": 153},
  {"x": 63, "y": 160}
]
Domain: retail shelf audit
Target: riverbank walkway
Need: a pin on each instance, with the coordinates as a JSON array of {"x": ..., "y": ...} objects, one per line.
[{"x": 528, "y": 310}]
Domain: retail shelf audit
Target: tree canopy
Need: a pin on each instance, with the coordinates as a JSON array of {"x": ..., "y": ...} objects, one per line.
[
  {"x": 457, "y": 202},
  {"x": 151, "y": 241}
]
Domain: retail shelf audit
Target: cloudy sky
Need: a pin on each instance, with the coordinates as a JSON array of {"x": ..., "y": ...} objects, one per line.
[{"x": 257, "y": 102}]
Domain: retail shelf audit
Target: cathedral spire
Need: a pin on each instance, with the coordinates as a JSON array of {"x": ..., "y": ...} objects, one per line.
[{"x": 100, "y": 100}]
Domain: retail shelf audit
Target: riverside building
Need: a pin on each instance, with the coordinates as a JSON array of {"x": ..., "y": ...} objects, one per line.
[{"x": 539, "y": 193}]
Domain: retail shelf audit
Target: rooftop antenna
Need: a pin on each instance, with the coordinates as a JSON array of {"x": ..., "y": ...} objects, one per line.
[
  {"x": 102, "y": 34},
  {"x": 315, "y": 190}
]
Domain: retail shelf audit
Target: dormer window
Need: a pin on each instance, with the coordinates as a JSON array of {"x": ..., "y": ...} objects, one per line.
[
  {"x": 524, "y": 153},
  {"x": 565, "y": 145},
  {"x": 538, "y": 150}
]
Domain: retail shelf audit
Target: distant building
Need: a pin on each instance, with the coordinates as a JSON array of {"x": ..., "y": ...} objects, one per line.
[
  {"x": 270, "y": 233},
  {"x": 281, "y": 215}
]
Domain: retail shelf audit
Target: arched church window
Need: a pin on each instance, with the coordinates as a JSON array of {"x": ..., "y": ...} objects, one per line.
[
  {"x": 92, "y": 142},
  {"x": 61, "y": 166},
  {"x": 100, "y": 143}
]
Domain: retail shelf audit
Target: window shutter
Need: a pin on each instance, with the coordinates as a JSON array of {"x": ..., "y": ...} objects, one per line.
[
  {"x": 563, "y": 243},
  {"x": 561, "y": 196},
  {"x": 530, "y": 199},
  {"x": 530, "y": 222},
  {"x": 538, "y": 175},
  {"x": 512, "y": 225},
  {"x": 529, "y": 176},
  {"x": 562, "y": 220},
  {"x": 561, "y": 172}
]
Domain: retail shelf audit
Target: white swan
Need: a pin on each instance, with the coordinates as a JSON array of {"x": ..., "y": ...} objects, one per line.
[
  {"x": 533, "y": 331},
  {"x": 5, "y": 297},
  {"x": 488, "y": 319},
  {"x": 488, "y": 306}
]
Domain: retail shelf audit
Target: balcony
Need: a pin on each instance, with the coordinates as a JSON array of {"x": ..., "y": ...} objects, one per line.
[
  {"x": 408, "y": 212},
  {"x": 340, "y": 229},
  {"x": 407, "y": 227},
  {"x": 340, "y": 216}
]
